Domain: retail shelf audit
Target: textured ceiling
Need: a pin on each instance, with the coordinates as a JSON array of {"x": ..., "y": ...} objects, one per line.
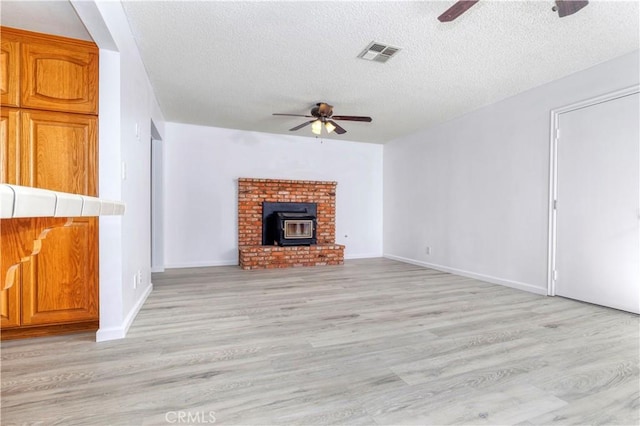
[
  {"x": 50, "y": 17},
  {"x": 232, "y": 64}
]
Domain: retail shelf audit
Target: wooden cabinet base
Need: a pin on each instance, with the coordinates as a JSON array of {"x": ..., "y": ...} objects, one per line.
[{"x": 48, "y": 330}]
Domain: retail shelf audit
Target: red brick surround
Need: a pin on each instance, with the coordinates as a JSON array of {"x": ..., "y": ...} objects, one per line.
[{"x": 251, "y": 194}]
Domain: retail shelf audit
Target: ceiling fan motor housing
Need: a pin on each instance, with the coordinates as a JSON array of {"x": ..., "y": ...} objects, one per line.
[{"x": 322, "y": 110}]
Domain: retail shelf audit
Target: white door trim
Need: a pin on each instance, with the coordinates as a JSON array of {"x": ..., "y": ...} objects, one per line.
[{"x": 553, "y": 169}]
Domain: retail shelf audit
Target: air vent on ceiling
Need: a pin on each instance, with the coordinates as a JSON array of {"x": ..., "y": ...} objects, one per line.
[{"x": 378, "y": 52}]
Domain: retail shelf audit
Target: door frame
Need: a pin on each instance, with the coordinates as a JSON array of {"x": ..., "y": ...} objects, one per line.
[
  {"x": 553, "y": 169},
  {"x": 156, "y": 200}
]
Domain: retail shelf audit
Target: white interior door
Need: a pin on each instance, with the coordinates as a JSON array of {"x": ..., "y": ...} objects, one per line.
[{"x": 598, "y": 204}]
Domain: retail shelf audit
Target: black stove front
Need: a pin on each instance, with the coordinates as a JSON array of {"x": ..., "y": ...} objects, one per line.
[{"x": 289, "y": 224}]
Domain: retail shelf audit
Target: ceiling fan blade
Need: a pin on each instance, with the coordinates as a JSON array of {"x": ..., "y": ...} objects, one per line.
[
  {"x": 352, "y": 118},
  {"x": 339, "y": 130},
  {"x": 306, "y": 123},
  {"x": 456, "y": 10},
  {"x": 293, "y": 115},
  {"x": 569, "y": 7}
]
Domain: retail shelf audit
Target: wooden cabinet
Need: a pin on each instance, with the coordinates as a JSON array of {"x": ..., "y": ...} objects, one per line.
[
  {"x": 61, "y": 286},
  {"x": 49, "y": 140},
  {"x": 10, "y": 306},
  {"x": 9, "y": 70},
  {"x": 59, "y": 77},
  {"x": 59, "y": 151},
  {"x": 10, "y": 298},
  {"x": 9, "y": 145}
]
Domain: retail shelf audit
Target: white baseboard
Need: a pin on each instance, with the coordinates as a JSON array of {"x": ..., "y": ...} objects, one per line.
[
  {"x": 201, "y": 264},
  {"x": 155, "y": 269},
  {"x": 487, "y": 278},
  {"x": 362, "y": 256},
  {"x": 114, "y": 333}
]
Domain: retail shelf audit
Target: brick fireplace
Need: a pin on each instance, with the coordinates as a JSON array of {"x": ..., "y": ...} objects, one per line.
[{"x": 254, "y": 255}]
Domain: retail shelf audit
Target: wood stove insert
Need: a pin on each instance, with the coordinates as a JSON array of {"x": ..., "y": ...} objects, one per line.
[{"x": 289, "y": 224}]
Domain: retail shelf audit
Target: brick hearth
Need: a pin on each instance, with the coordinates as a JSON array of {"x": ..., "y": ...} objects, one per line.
[{"x": 251, "y": 194}]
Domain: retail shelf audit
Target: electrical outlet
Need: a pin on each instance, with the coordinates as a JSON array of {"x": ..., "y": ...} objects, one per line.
[{"x": 139, "y": 277}]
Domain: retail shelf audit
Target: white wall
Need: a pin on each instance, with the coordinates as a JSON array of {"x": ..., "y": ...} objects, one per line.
[
  {"x": 202, "y": 165},
  {"x": 126, "y": 101},
  {"x": 475, "y": 189},
  {"x": 109, "y": 159}
]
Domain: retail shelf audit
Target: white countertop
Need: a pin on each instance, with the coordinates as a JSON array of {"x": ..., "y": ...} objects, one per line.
[{"x": 24, "y": 201}]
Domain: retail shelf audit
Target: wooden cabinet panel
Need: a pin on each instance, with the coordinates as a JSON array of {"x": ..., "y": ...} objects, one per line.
[
  {"x": 59, "y": 77},
  {"x": 9, "y": 169},
  {"x": 10, "y": 306},
  {"x": 9, "y": 145},
  {"x": 59, "y": 151},
  {"x": 12, "y": 232},
  {"x": 60, "y": 283},
  {"x": 9, "y": 71}
]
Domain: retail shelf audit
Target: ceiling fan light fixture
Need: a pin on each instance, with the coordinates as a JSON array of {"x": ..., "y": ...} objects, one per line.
[
  {"x": 316, "y": 127},
  {"x": 330, "y": 127}
]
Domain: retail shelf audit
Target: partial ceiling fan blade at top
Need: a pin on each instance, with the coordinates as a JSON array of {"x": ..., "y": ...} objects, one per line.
[
  {"x": 293, "y": 115},
  {"x": 339, "y": 130},
  {"x": 456, "y": 10},
  {"x": 293, "y": 129},
  {"x": 351, "y": 118},
  {"x": 569, "y": 7}
]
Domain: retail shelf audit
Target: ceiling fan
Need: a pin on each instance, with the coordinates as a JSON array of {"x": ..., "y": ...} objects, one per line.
[
  {"x": 563, "y": 7},
  {"x": 322, "y": 114}
]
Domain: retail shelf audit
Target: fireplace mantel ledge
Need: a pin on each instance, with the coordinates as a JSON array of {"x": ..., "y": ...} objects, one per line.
[{"x": 23, "y": 202}]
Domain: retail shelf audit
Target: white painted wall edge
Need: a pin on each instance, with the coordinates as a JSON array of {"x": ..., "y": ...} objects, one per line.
[
  {"x": 114, "y": 333},
  {"x": 157, "y": 269},
  {"x": 487, "y": 278}
]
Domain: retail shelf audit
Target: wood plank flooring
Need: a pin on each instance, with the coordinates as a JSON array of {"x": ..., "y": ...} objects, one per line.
[{"x": 371, "y": 342}]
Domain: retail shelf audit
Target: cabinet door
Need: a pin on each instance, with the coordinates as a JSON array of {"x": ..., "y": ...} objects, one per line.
[
  {"x": 9, "y": 146},
  {"x": 59, "y": 77},
  {"x": 12, "y": 235},
  {"x": 9, "y": 166},
  {"x": 9, "y": 71},
  {"x": 60, "y": 284},
  {"x": 59, "y": 152},
  {"x": 10, "y": 305}
]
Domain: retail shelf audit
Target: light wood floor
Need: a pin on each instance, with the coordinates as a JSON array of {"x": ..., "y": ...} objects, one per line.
[{"x": 371, "y": 342}]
